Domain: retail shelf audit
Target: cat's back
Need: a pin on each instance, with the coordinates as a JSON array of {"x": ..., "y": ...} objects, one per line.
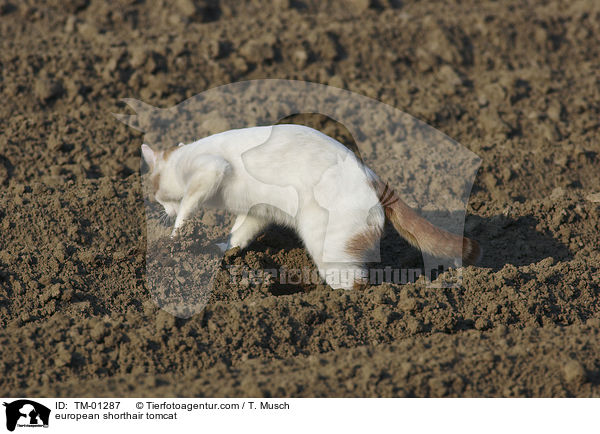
[
  {"x": 291, "y": 148},
  {"x": 283, "y": 154},
  {"x": 274, "y": 141},
  {"x": 233, "y": 141}
]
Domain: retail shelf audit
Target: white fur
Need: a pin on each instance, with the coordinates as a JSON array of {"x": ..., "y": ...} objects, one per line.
[{"x": 286, "y": 174}]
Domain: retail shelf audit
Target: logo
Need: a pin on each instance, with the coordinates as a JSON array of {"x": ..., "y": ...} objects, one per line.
[
  {"x": 307, "y": 188},
  {"x": 26, "y": 413}
]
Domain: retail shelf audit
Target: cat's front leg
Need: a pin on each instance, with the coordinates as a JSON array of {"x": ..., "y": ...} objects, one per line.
[
  {"x": 245, "y": 228},
  {"x": 178, "y": 224},
  {"x": 206, "y": 174},
  {"x": 188, "y": 204},
  {"x": 184, "y": 211}
]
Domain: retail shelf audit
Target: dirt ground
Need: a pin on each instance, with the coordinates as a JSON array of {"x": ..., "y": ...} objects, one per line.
[{"x": 516, "y": 82}]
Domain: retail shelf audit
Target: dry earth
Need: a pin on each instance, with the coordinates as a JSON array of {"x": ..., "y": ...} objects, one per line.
[{"x": 516, "y": 82}]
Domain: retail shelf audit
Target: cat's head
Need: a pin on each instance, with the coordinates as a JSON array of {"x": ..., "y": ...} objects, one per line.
[{"x": 162, "y": 190}]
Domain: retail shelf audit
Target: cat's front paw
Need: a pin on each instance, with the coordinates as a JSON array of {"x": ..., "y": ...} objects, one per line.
[{"x": 223, "y": 247}]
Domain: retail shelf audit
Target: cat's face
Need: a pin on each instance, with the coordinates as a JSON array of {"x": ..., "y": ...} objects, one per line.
[{"x": 156, "y": 161}]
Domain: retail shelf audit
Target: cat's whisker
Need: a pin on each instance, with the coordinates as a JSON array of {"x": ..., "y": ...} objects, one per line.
[{"x": 164, "y": 219}]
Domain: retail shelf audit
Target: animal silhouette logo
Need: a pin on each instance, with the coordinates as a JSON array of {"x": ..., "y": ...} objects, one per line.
[
  {"x": 26, "y": 413},
  {"x": 429, "y": 170}
]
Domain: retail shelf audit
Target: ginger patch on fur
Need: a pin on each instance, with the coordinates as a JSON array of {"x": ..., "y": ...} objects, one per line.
[{"x": 364, "y": 241}]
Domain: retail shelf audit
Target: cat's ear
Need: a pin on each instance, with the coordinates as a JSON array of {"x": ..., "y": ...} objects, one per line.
[{"x": 149, "y": 156}]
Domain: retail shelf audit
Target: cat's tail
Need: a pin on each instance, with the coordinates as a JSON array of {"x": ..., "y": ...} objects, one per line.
[{"x": 422, "y": 234}]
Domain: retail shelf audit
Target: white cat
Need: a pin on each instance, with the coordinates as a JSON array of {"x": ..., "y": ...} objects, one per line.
[{"x": 300, "y": 178}]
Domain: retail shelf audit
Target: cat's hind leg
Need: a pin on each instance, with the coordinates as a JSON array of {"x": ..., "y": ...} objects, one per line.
[{"x": 325, "y": 237}]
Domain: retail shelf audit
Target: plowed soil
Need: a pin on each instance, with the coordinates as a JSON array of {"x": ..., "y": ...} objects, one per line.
[{"x": 516, "y": 82}]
